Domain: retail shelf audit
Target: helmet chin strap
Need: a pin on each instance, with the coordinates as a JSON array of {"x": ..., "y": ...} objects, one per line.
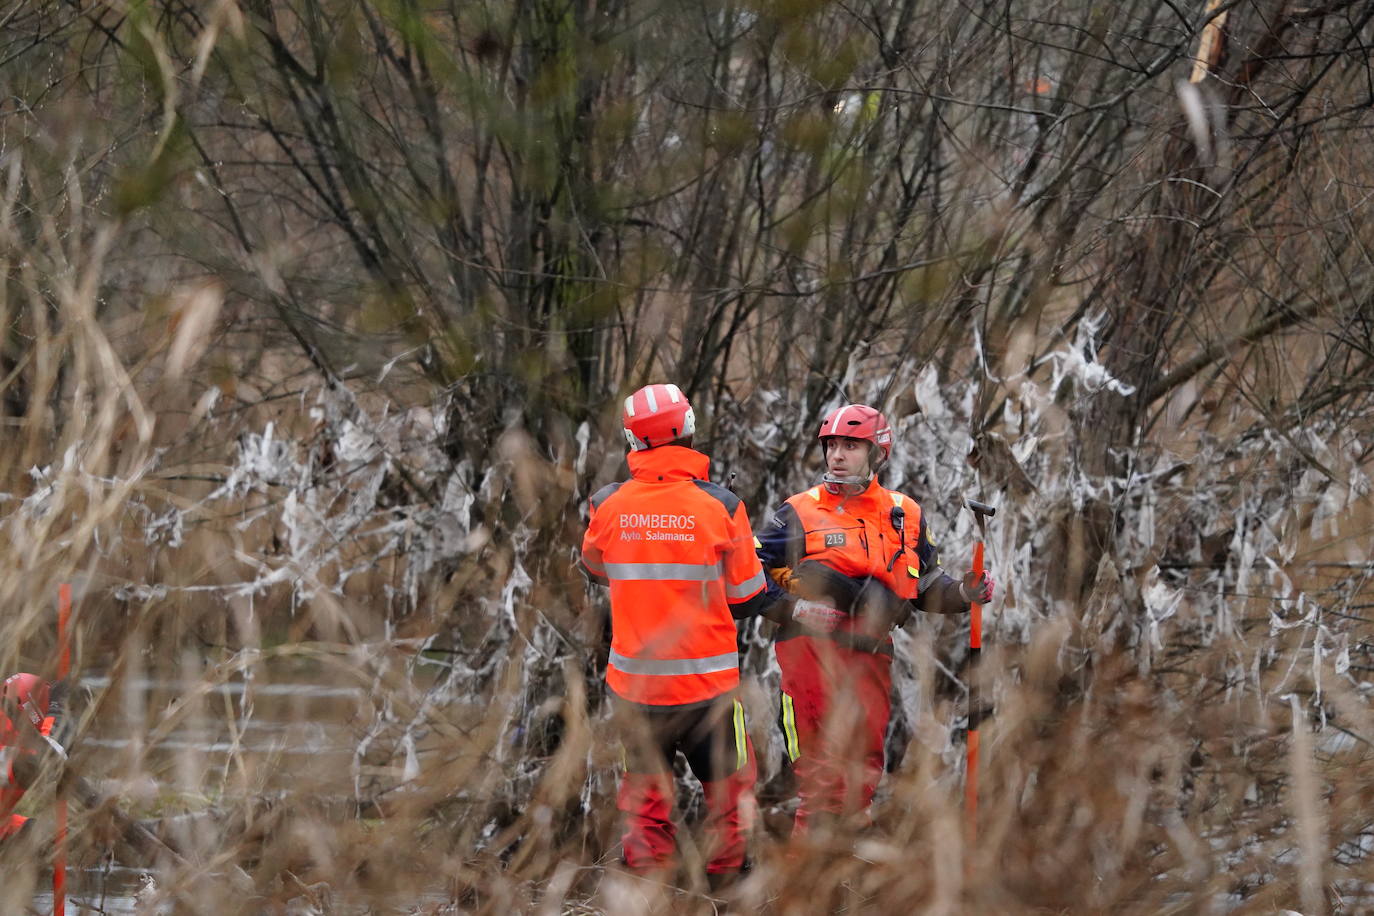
[
  {"x": 857, "y": 483},
  {"x": 845, "y": 486}
]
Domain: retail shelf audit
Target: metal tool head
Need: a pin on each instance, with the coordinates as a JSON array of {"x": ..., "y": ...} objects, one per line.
[{"x": 983, "y": 510}]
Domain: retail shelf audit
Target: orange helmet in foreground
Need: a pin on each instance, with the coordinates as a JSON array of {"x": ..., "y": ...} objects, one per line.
[
  {"x": 858, "y": 421},
  {"x": 657, "y": 415}
]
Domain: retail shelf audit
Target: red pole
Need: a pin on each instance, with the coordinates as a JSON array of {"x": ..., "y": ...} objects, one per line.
[
  {"x": 975, "y": 644},
  {"x": 64, "y": 665}
]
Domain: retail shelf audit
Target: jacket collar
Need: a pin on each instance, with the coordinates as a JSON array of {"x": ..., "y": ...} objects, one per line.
[
  {"x": 668, "y": 462},
  {"x": 871, "y": 496}
]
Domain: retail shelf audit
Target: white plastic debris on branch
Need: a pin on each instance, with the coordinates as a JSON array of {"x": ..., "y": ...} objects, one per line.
[{"x": 1079, "y": 362}]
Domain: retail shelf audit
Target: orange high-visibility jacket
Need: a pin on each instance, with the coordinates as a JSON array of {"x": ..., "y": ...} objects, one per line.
[
  {"x": 677, "y": 552},
  {"x": 861, "y": 539},
  {"x": 856, "y": 536}
]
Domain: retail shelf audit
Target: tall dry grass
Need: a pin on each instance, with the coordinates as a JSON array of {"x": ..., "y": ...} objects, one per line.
[
  {"x": 331, "y": 648},
  {"x": 1187, "y": 769}
]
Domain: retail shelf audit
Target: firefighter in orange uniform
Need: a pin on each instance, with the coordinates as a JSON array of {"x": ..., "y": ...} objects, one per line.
[
  {"x": 28, "y": 710},
  {"x": 677, "y": 553},
  {"x": 859, "y": 559}
]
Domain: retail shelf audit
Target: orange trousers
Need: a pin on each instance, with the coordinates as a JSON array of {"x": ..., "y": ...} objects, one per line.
[{"x": 836, "y": 703}]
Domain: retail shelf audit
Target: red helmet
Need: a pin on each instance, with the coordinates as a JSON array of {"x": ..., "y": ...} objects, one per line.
[
  {"x": 29, "y": 693},
  {"x": 657, "y": 415},
  {"x": 858, "y": 421}
]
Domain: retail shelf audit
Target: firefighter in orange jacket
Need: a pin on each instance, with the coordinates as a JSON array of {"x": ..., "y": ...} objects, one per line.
[
  {"x": 677, "y": 553},
  {"x": 859, "y": 559},
  {"x": 28, "y": 708}
]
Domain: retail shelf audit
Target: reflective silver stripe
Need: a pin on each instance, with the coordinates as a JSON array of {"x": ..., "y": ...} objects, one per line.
[
  {"x": 727, "y": 662},
  {"x": 630, "y": 406},
  {"x": 674, "y": 393},
  {"x": 745, "y": 589},
  {"x": 653, "y": 401},
  {"x": 663, "y": 572}
]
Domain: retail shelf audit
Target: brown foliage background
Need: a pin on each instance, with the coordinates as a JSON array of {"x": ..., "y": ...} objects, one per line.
[{"x": 317, "y": 316}]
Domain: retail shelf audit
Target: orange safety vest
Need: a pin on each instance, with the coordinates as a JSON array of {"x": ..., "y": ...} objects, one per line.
[
  {"x": 856, "y": 536},
  {"x": 677, "y": 551}
]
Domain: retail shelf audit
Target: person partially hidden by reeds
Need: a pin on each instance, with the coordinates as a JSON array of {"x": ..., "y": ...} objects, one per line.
[
  {"x": 677, "y": 553},
  {"x": 859, "y": 559},
  {"x": 29, "y": 707}
]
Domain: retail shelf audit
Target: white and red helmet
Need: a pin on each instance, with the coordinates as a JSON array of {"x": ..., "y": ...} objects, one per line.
[
  {"x": 657, "y": 415},
  {"x": 859, "y": 421}
]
